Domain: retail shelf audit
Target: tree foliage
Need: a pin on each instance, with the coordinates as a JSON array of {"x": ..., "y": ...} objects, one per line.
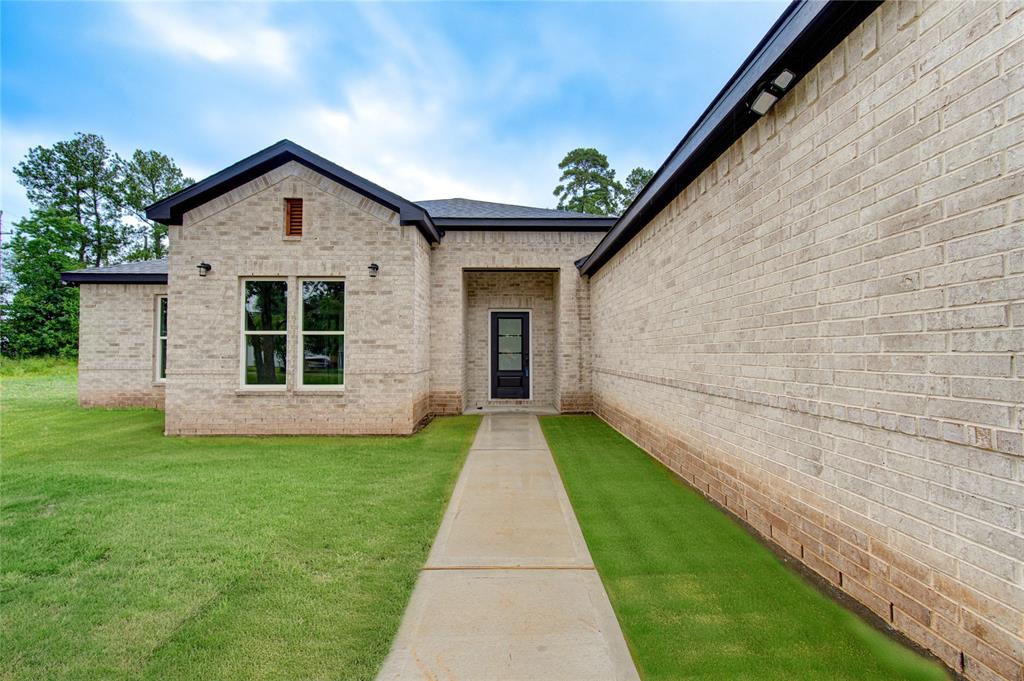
[
  {"x": 634, "y": 184},
  {"x": 78, "y": 178},
  {"x": 147, "y": 177},
  {"x": 42, "y": 316},
  {"x": 88, "y": 208},
  {"x": 588, "y": 183}
]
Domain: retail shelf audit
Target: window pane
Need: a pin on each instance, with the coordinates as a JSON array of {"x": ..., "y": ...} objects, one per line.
[
  {"x": 323, "y": 306},
  {"x": 323, "y": 360},
  {"x": 163, "y": 317},
  {"x": 510, "y": 361},
  {"x": 266, "y": 306},
  {"x": 510, "y": 343},
  {"x": 163, "y": 358},
  {"x": 265, "y": 359},
  {"x": 510, "y": 326}
]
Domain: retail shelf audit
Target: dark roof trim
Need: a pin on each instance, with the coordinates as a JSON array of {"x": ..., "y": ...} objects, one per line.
[
  {"x": 595, "y": 224},
  {"x": 803, "y": 35},
  {"x": 86, "y": 277},
  {"x": 170, "y": 211}
]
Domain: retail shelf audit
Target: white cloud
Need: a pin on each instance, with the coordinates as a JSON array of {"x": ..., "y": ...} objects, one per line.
[
  {"x": 401, "y": 106},
  {"x": 223, "y": 34}
]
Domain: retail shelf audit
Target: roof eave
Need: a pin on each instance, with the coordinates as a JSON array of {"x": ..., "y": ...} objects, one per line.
[
  {"x": 575, "y": 224},
  {"x": 171, "y": 210},
  {"x": 806, "y": 31},
  {"x": 74, "y": 277}
]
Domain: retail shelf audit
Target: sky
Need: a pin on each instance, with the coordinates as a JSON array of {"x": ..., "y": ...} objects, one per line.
[{"x": 430, "y": 100}]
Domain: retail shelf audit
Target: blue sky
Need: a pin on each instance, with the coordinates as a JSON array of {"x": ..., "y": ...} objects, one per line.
[{"x": 431, "y": 100}]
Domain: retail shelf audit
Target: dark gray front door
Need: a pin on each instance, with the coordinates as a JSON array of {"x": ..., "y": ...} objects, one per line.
[{"x": 510, "y": 355}]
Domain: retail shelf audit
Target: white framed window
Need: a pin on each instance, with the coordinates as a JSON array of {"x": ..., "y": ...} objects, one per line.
[
  {"x": 322, "y": 333},
  {"x": 161, "y": 338},
  {"x": 264, "y": 361}
]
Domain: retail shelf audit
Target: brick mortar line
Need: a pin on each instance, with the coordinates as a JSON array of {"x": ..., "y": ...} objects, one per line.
[{"x": 798, "y": 405}]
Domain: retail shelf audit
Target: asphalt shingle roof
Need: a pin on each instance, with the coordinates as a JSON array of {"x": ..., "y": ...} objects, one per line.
[
  {"x": 468, "y": 208},
  {"x": 137, "y": 272},
  {"x": 158, "y": 266}
]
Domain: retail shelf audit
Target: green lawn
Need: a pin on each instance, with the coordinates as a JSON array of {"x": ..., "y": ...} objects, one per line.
[
  {"x": 697, "y": 596},
  {"x": 128, "y": 555}
]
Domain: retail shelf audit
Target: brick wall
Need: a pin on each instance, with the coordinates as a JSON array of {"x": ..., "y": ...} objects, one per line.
[
  {"x": 241, "y": 235},
  {"x": 116, "y": 340},
  {"x": 509, "y": 290},
  {"x": 825, "y": 331},
  {"x": 466, "y": 250}
]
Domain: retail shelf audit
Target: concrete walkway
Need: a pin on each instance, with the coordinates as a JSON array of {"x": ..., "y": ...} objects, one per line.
[{"x": 509, "y": 590}]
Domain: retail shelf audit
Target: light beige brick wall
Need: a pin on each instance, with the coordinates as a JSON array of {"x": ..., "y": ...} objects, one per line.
[
  {"x": 825, "y": 331},
  {"x": 241, "y": 235},
  {"x": 116, "y": 341},
  {"x": 421, "y": 330},
  {"x": 510, "y": 290},
  {"x": 467, "y": 250}
]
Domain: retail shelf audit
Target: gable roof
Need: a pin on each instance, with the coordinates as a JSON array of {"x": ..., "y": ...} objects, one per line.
[
  {"x": 470, "y": 214},
  {"x": 138, "y": 272},
  {"x": 170, "y": 211},
  {"x": 802, "y": 36}
]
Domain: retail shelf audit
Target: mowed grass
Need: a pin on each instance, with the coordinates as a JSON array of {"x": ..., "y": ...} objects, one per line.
[
  {"x": 128, "y": 555},
  {"x": 696, "y": 595}
]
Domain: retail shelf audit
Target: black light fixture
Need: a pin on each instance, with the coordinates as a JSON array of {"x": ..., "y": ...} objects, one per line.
[
  {"x": 770, "y": 92},
  {"x": 374, "y": 269},
  {"x": 203, "y": 268}
]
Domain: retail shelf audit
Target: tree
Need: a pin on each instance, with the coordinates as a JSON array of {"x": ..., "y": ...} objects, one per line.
[
  {"x": 634, "y": 184},
  {"x": 588, "y": 184},
  {"x": 145, "y": 179},
  {"x": 78, "y": 178},
  {"x": 42, "y": 317}
]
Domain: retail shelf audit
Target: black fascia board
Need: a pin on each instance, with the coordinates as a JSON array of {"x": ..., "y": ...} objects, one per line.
[
  {"x": 595, "y": 224},
  {"x": 113, "y": 277},
  {"x": 806, "y": 32},
  {"x": 169, "y": 211}
]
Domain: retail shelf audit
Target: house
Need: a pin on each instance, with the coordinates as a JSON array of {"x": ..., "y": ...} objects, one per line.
[{"x": 814, "y": 312}]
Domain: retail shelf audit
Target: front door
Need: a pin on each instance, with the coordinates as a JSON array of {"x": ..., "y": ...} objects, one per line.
[{"x": 510, "y": 355}]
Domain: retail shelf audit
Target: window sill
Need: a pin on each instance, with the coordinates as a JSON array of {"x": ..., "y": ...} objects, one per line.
[
  {"x": 160, "y": 383},
  {"x": 291, "y": 238},
  {"x": 255, "y": 392},
  {"x": 315, "y": 390}
]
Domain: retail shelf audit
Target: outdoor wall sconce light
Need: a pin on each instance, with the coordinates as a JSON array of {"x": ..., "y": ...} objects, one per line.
[
  {"x": 374, "y": 269},
  {"x": 203, "y": 268},
  {"x": 770, "y": 92}
]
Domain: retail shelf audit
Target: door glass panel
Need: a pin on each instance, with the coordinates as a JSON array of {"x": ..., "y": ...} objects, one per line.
[
  {"x": 510, "y": 343},
  {"x": 510, "y": 361},
  {"x": 510, "y": 326}
]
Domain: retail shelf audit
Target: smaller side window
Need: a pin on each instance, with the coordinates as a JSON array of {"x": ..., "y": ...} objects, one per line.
[
  {"x": 293, "y": 217},
  {"x": 161, "y": 338}
]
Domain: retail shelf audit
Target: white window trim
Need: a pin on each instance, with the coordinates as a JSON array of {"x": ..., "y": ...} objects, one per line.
[
  {"x": 158, "y": 348},
  {"x": 301, "y": 368},
  {"x": 262, "y": 387}
]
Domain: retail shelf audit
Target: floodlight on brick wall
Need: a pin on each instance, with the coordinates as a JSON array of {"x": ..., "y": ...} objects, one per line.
[
  {"x": 374, "y": 269},
  {"x": 203, "y": 268},
  {"x": 771, "y": 92}
]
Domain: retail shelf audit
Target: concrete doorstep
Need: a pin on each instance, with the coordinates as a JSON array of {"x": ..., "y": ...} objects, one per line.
[{"x": 509, "y": 590}]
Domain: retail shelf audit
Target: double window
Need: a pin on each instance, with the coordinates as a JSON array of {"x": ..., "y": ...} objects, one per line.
[{"x": 320, "y": 335}]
